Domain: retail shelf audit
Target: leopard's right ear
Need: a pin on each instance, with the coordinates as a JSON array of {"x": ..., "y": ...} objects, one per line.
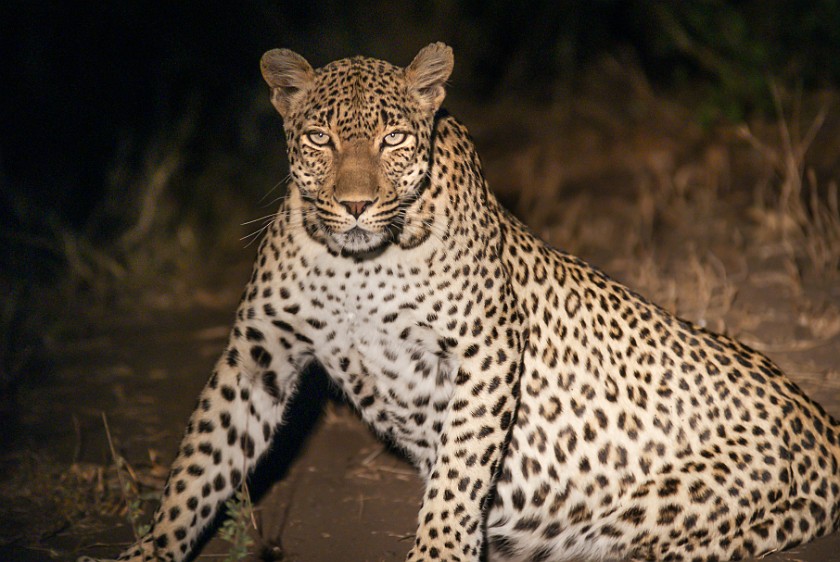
[{"x": 289, "y": 76}]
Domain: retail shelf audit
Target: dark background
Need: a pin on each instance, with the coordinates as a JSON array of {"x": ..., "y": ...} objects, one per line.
[{"x": 98, "y": 97}]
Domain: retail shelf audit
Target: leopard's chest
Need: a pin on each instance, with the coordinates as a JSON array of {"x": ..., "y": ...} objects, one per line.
[{"x": 369, "y": 329}]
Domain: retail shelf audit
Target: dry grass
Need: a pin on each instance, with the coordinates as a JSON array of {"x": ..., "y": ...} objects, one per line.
[
  {"x": 43, "y": 497},
  {"x": 696, "y": 222},
  {"x": 699, "y": 290},
  {"x": 129, "y": 487},
  {"x": 791, "y": 209},
  {"x": 142, "y": 249}
]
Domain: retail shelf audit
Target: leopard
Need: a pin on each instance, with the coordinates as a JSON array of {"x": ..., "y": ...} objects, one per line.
[{"x": 552, "y": 412}]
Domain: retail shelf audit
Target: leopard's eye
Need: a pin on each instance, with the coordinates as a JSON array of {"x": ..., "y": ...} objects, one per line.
[
  {"x": 394, "y": 139},
  {"x": 318, "y": 138}
]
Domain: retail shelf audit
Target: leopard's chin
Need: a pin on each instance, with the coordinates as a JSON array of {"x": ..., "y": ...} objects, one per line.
[{"x": 358, "y": 241}]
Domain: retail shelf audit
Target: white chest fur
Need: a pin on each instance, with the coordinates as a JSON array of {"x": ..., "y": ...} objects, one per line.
[{"x": 374, "y": 340}]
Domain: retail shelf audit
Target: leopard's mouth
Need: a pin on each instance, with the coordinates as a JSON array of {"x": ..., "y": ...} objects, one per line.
[{"x": 357, "y": 239}]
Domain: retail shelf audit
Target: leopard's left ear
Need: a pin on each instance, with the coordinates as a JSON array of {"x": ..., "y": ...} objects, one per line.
[{"x": 428, "y": 72}]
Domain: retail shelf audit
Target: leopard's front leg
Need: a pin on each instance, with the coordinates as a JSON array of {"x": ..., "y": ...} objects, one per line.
[
  {"x": 479, "y": 418},
  {"x": 238, "y": 411}
]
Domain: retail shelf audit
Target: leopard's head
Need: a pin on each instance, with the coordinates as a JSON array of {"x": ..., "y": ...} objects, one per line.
[{"x": 359, "y": 135}]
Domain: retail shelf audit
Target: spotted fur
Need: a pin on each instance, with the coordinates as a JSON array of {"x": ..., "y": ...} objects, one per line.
[{"x": 553, "y": 413}]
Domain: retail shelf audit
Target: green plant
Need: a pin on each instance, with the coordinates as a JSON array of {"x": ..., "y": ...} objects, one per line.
[{"x": 240, "y": 515}]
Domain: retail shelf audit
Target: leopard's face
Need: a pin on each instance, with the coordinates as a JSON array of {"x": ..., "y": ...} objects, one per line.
[
  {"x": 358, "y": 150},
  {"x": 358, "y": 133}
]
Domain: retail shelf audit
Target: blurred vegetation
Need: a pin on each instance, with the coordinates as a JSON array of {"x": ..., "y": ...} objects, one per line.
[{"x": 136, "y": 136}]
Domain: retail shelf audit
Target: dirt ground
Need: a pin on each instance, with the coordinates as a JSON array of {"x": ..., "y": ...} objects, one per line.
[{"x": 695, "y": 220}]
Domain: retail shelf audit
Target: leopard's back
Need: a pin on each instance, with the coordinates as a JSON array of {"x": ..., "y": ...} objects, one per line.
[{"x": 641, "y": 435}]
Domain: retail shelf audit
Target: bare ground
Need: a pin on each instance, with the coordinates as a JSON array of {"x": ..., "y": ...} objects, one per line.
[{"x": 696, "y": 220}]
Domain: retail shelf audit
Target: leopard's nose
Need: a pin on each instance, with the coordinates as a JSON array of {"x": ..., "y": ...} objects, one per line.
[{"x": 356, "y": 208}]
